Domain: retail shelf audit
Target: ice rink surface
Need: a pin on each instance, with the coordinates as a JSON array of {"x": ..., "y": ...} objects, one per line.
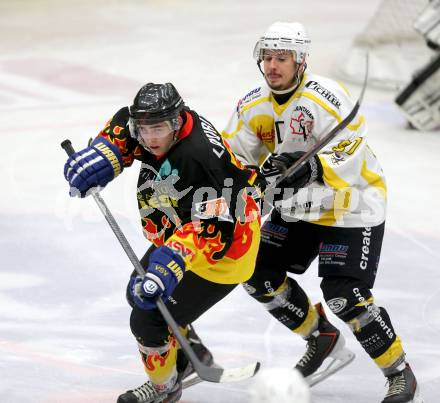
[{"x": 65, "y": 68}]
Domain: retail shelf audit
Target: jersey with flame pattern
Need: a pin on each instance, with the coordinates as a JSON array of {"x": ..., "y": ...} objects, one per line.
[{"x": 195, "y": 199}]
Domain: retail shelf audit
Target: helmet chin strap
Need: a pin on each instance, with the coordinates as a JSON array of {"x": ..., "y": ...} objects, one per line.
[{"x": 175, "y": 137}]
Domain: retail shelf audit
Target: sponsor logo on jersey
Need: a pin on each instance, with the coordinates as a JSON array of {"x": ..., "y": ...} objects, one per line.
[
  {"x": 180, "y": 249},
  {"x": 306, "y": 111},
  {"x": 157, "y": 192},
  {"x": 275, "y": 228},
  {"x": 333, "y": 249},
  {"x": 213, "y": 208},
  {"x": 325, "y": 93},
  {"x": 302, "y": 122},
  {"x": 332, "y": 254},
  {"x": 267, "y": 136},
  {"x": 251, "y": 95},
  {"x": 274, "y": 231},
  {"x": 157, "y": 201},
  {"x": 336, "y": 305}
]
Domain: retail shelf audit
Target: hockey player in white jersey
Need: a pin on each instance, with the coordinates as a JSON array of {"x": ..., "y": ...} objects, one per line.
[{"x": 333, "y": 208}]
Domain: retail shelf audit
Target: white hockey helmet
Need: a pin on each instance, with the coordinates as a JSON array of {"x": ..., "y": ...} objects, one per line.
[{"x": 286, "y": 36}]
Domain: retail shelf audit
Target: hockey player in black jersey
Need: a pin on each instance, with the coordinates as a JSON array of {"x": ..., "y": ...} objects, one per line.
[{"x": 196, "y": 208}]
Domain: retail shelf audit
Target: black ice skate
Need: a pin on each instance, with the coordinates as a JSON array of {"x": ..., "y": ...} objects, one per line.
[
  {"x": 186, "y": 376},
  {"x": 148, "y": 394},
  {"x": 325, "y": 342},
  {"x": 402, "y": 387}
]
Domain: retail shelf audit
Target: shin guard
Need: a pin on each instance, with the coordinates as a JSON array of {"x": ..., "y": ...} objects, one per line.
[{"x": 160, "y": 364}]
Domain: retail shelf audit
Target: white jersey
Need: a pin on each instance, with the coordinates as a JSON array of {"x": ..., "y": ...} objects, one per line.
[{"x": 353, "y": 192}]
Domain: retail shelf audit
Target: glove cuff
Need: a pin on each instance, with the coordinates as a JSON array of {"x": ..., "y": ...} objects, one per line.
[
  {"x": 110, "y": 152},
  {"x": 166, "y": 257},
  {"x": 315, "y": 170}
]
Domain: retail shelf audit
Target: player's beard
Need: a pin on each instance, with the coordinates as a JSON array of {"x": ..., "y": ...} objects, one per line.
[{"x": 283, "y": 87}]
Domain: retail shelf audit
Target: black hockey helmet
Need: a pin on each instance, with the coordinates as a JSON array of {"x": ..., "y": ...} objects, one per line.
[{"x": 156, "y": 103}]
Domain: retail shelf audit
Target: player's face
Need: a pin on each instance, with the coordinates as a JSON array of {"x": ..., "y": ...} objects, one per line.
[
  {"x": 279, "y": 69},
  {"x": 157, "y": 137}
]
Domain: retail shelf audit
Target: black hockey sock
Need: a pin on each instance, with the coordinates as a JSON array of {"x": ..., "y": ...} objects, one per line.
[
  {"x": 379, "y": 339},
  {"x": 289, "y": 304}
]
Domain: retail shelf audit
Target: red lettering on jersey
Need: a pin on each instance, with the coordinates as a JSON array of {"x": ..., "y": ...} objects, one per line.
[{"x": 267, "y": 137}]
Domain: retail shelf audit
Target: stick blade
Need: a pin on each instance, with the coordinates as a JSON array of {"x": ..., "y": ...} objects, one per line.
[{"x": 240, "y": 374}]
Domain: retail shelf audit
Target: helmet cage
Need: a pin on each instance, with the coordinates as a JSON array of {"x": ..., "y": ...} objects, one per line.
[
  {"x": 299, "y": 51},
  {"x": 134, "y": 125}
]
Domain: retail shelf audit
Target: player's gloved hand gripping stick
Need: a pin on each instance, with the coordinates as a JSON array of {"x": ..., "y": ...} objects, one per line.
[
  {"x": 165, "y": 270},
  {"x": 210, "y": 374}
]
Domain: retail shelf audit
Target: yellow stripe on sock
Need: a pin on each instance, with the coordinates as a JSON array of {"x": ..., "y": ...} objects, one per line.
[
  {"x": 278, "y": 291},
  {"x": 309, "y": 323},
  {"x": 367, "y": 302},
  {"x": 389, "y": 357}
]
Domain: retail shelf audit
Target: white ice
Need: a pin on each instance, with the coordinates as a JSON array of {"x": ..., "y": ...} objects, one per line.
[{"x": 65, "y": 68}]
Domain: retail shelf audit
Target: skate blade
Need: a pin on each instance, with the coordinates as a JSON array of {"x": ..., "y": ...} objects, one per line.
[
  {"x": 339, "y": 360},
  {"x": 191, "y": 380}
]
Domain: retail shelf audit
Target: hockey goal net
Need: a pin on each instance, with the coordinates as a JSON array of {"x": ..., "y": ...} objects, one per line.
[{"x": 395, "y": 49}]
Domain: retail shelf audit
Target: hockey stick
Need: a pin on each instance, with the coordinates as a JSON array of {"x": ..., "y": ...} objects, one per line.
[
  {"x": 325, "y": 140},
  {"x": 210, "y": 374}
]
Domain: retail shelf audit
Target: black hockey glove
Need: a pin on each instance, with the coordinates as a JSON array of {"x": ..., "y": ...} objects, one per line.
[
  {"x": 308, "y": 173},
  {"x": 260, "y": 181}
]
